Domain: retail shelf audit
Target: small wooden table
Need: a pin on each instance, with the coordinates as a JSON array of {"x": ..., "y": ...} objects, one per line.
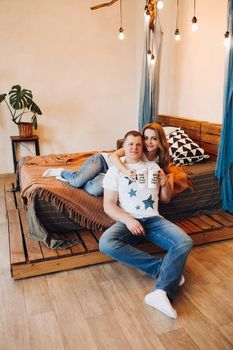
[{"x": 18, "y": 139}]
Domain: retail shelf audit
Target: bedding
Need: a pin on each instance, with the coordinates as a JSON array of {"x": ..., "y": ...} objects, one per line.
[
  {"x": 54, "y": 208},
  {"x": 203, "y": 196},
  {"x": 46, "y": 197},
  {"x": 83, "y": 208}
]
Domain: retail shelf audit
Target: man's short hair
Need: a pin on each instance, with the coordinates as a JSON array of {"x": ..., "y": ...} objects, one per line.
[{"x": 134, "y": 133}]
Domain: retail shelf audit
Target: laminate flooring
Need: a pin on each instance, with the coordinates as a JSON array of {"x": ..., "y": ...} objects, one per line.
[{"x": 102, "y": 307}]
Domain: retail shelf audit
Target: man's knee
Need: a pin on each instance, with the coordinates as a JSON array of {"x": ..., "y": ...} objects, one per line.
[
  {"x": 105, "y": 244},
  {"x": 186, "y": 243},
  {"x": 109, "y": 245}
]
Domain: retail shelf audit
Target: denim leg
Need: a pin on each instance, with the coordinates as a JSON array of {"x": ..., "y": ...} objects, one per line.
[
  {"x": 94, "y": 187},
  {"x": 90, "y": 169},
  {"x": 118, "y": 242},
  {"x": 178, "y": 246}
]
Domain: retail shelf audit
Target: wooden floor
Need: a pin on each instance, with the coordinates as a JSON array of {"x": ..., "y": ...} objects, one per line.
[{"x": 102, "y": 306}]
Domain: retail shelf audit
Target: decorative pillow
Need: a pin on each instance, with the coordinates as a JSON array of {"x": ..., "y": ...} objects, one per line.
[
  {"x": 183, "y": 150},
  {"x": 169, "y": 129}
]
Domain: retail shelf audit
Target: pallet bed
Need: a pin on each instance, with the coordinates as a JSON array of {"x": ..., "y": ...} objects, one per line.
[{"x": 32, "y": 258}]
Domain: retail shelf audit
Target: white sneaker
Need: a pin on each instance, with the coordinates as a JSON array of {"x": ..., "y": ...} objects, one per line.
[
  {"x": 182, "y": 281},
  {"x": 158, "y": 300}
]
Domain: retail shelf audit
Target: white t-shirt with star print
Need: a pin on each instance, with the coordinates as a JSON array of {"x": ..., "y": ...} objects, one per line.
[{"x": 138, "y": 202}]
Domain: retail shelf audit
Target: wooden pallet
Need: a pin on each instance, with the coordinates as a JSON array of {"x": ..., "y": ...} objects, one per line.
[{"x": 32, "y": 258}]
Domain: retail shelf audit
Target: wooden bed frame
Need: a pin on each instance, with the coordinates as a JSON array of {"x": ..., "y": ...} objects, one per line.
[
  {"x": 206, "y": 134},
  {"x": 32, "y": 258}
]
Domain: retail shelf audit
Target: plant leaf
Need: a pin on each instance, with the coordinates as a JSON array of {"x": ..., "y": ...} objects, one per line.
[
  {"x": 19, "y": 97},
  {"x": 2, "y": 97},
  {"x": 32, "y": 106}
]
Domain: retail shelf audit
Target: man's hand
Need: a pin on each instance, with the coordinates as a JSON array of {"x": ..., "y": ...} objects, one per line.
[
  {"x": 135, "y": 227},
  {"x": 132, "y": 175},
  {"x": 118, "y": 214}
]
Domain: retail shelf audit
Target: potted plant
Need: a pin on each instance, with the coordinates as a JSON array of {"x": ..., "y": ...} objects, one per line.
[{"x": 20, "y": 103}]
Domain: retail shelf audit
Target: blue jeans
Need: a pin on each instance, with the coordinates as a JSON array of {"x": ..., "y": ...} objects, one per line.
[
  {"x": 88, "y": 176},
  {"x": 119, "y": 243}
]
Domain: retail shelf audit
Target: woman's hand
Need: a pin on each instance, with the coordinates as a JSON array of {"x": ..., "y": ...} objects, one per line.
[
  {"x": 162, "y": 178},
  {"x": 165, "y": 189}
]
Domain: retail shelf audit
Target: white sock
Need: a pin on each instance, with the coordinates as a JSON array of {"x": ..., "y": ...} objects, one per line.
[
  {"x": 182, "y": 281},
  {"x": 52, "y": 172},
  {"x": 159, "y": 300},
  {"x": 61, "y": 178}
]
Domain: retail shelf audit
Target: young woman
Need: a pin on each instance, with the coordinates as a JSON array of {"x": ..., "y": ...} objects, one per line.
[
  {"x": 90, "y": 175},
  {"x": 156, "y": 149}
]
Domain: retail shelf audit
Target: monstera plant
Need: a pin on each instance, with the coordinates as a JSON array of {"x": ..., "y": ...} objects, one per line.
[{"x": 20, "y": 104}]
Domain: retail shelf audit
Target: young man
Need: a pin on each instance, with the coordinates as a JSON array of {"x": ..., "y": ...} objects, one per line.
[{"x": 134, "y": 206}]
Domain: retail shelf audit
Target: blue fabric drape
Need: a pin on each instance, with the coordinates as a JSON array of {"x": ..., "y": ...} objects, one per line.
[
  {"x": 149, "y": 91},
  {"x": 224, "y": 168}
]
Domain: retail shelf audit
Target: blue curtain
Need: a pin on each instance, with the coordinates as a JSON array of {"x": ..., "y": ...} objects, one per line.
[
  {"x": 224, "y": 168},
  {"x": 149, "y": 91}
]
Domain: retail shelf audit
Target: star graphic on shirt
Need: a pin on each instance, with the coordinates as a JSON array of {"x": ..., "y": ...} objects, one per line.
[
  {"x": 148, "y": 202},
  {"x": 130, "y": 181},
  {"x": 132, "y": 193},
  {"x": 137, "y": 207}
]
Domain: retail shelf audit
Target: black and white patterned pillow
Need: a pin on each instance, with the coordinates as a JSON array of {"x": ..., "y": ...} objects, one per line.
[{"x": 183, "y": 150}]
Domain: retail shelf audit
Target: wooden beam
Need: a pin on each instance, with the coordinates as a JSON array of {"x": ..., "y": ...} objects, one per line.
[{"x": 106, "y": 4}]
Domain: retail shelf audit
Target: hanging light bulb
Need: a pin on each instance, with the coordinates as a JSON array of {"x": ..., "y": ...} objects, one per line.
[
  {"x": 226, "y": 41},
  {"x": 121, "y": 30},
  {"x": 149, "y": 53},
  {"x": 194, "y": 24},
  {"x": 160, "y": 4},
  {"x": 147, "y": 15},
  {"x": 121, "y": 34},
  {"x": 177, "y": 34},
  {"x": 152, "y": 60},
  {"x": 146, "y": 9},
  {"x": 194, "y": 19}
]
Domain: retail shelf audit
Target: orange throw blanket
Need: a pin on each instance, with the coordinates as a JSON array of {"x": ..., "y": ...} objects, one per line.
[{"x": 85, "y": 209}]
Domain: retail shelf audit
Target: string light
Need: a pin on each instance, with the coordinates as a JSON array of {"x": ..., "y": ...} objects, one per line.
[
  {"x": 177, "y": 35},
  {"x": 226, "y": 41},
  {"x": 152, "y": 60},
  {"x": 160, "y": 5},
  {"x": 194, "y": 19},
  {"x": 147, "y": 14},
  {"x": 177, "y": 32},
  {"x": 149, "y": 53},
  {"x": 121, "y": 34},
  {"x": 121, "y": 30}
]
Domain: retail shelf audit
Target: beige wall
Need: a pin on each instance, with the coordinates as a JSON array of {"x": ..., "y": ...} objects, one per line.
[
  {"x": 86, "y": 81},
  {"x": 192, "y": 71},
  {"x": 82, "y": 76}
]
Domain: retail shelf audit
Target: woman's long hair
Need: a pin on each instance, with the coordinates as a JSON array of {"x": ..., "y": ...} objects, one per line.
[{"x": 163, "y": 146}]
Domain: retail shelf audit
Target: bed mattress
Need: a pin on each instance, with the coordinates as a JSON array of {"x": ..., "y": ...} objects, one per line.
[{"x": 203, "y": 196}]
